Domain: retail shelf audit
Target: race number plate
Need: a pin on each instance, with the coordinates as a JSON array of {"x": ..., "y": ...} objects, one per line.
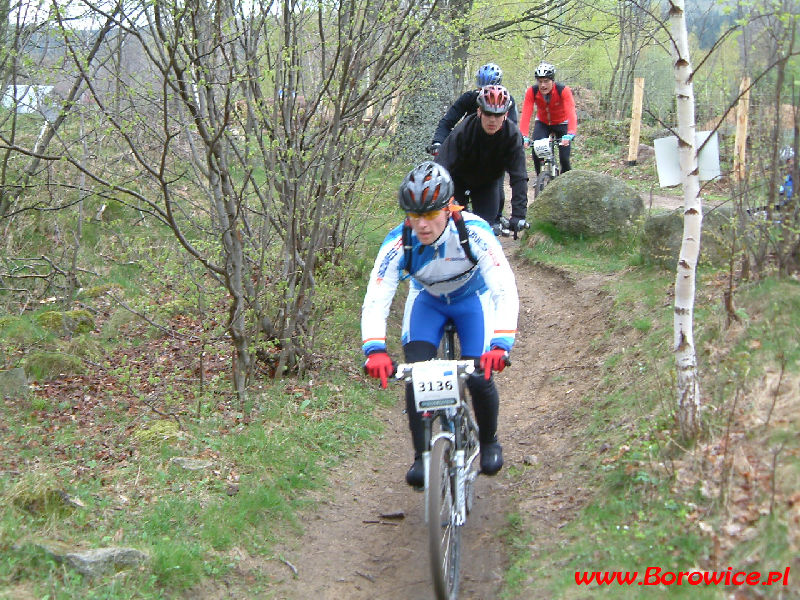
[
  {"x": 435, "y": 385},
  {"x": 542, "y": 148}
]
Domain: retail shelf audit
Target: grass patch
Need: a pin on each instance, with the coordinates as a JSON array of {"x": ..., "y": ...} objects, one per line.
[
  {"x": 543, "y": 243},
  {"x": 248, "y": 496}
]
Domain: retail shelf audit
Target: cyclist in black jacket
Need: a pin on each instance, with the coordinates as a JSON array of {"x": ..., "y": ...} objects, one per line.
[
  {"x": 467, "y": 104},
  {"x": 477, "y": 153}
]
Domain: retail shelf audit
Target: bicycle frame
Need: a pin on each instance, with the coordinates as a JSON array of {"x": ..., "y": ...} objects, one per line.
[
  {"x": 546, "y": 149},
  {"x": 455, "y": 418},
  {"x": 440, "y": 388}
]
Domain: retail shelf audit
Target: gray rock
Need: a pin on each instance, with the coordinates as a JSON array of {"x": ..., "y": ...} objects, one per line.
[
  {"x": 191, "y": 464},
  {"x": 97, "y": 561},
  {"x": 102, "y": 561},
  {"x": 587, "y": 203},
  {"x": 663, "y": 235},
  {"x": 14, "y": 384}
]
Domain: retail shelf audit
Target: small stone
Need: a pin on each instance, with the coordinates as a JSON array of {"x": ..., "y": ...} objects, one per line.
[{"x": 191, "y": 464}]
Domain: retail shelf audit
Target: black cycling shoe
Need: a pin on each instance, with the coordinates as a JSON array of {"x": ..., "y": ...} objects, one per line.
[
  {"x": 416, "y": 474},
  {"x": 491, "y": 458}
]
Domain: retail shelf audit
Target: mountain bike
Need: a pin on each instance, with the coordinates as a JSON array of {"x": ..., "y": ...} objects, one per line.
[
  {"x": 546, "y": 149},
  {"x": 450, "y": 457}
]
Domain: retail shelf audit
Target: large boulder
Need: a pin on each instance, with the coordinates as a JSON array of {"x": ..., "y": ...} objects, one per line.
[
  {"x": 663, "y": 235},
  {"x": 587, "y": 203}
]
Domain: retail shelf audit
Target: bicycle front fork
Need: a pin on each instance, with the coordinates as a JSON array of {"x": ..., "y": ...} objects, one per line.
[{"x": 461, "y": 482}]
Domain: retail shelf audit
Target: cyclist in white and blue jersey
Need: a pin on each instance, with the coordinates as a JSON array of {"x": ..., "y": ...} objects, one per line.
[{"x": 458, "y": 272}]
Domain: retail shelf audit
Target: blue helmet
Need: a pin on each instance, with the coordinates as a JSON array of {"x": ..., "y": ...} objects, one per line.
[{"x": 489, "y": 74}]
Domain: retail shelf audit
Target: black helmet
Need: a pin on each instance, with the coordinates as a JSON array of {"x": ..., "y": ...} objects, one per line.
[
  {"x": 545, "y": 71},
  {"x": 494, "y": 99},
  {"x": 489, "y": 74},
  {"x": 426, "y": 188}
]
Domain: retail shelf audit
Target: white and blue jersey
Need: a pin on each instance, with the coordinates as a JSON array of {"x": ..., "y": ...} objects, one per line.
[{"x": 480, "y": 299}]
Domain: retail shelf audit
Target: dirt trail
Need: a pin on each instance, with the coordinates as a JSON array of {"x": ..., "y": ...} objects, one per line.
[{"x": 354, "y": 550}]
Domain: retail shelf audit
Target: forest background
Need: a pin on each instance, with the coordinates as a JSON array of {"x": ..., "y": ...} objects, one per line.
[{"x": 182, "y": 201}]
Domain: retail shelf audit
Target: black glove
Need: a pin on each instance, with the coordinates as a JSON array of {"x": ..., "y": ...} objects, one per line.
[
  {"x": 433, "y": 149},
  {"x": 517, "y": 224}
]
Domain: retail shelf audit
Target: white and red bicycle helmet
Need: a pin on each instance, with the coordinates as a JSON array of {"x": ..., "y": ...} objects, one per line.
[{"x": 494, "y": 99}]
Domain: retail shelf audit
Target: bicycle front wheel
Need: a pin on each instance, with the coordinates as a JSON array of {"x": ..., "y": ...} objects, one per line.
[
  {"x": 444, "y": 534},
  {"x": 542, "y": 180}
]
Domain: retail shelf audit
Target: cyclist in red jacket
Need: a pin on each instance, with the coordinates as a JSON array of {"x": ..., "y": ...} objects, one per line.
[{"x": 555, "y": 113}]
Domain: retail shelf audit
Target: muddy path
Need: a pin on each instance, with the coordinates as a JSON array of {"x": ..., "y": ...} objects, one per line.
[{"x": 366, "y": 538}]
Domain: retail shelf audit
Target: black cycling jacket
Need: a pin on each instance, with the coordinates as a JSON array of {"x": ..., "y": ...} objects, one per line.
[
  {"x": 465, "y": 105},
  {"x": 475, "y": 158}
]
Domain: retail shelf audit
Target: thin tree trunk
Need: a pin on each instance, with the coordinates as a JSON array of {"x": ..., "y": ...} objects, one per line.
[{"x": 688, "y": 385}]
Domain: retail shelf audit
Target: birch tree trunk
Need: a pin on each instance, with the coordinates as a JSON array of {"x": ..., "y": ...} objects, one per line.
[{"x": 688, "y": 386}]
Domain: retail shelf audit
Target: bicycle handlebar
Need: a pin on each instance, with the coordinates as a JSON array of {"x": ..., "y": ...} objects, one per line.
[
  {"x": 403, "y": 370},
  {"x": 506, "y": 229},
  {"x": 470, "y": 366}
]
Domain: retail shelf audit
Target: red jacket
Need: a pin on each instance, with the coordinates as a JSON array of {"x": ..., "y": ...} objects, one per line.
[{"x": 560, "y": 109}]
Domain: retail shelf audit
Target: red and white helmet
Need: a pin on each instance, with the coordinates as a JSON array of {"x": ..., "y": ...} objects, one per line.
[{"x": 494, "y": 99}]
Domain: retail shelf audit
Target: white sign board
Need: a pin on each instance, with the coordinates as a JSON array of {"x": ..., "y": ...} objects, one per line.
[{"x": 668, "y": 164}]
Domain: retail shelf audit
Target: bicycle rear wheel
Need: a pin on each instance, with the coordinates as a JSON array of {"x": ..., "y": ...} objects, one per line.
[{"x": 444, "y": 534}]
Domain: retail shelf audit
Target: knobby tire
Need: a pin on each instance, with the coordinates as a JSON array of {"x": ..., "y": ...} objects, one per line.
[
  {"x": 444, "y": 535},
  {"x": 542, "y": 180}
]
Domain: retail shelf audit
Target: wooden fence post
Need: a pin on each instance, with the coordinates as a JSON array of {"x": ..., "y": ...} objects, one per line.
[
  {"x": 740, "y": 143},
  {"x": 636, "y": 120}
]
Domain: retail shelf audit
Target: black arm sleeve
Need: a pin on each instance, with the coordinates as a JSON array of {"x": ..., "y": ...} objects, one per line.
[
  {"x": 466, "y": 104},
  {"x": 517, "y": 175},
  {"x": 513, "y": 114}
]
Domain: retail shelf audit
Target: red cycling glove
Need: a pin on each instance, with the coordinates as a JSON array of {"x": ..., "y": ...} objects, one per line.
[
  {"x": 493, "y": 360},
  {"x": 380, "y": 366}
]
